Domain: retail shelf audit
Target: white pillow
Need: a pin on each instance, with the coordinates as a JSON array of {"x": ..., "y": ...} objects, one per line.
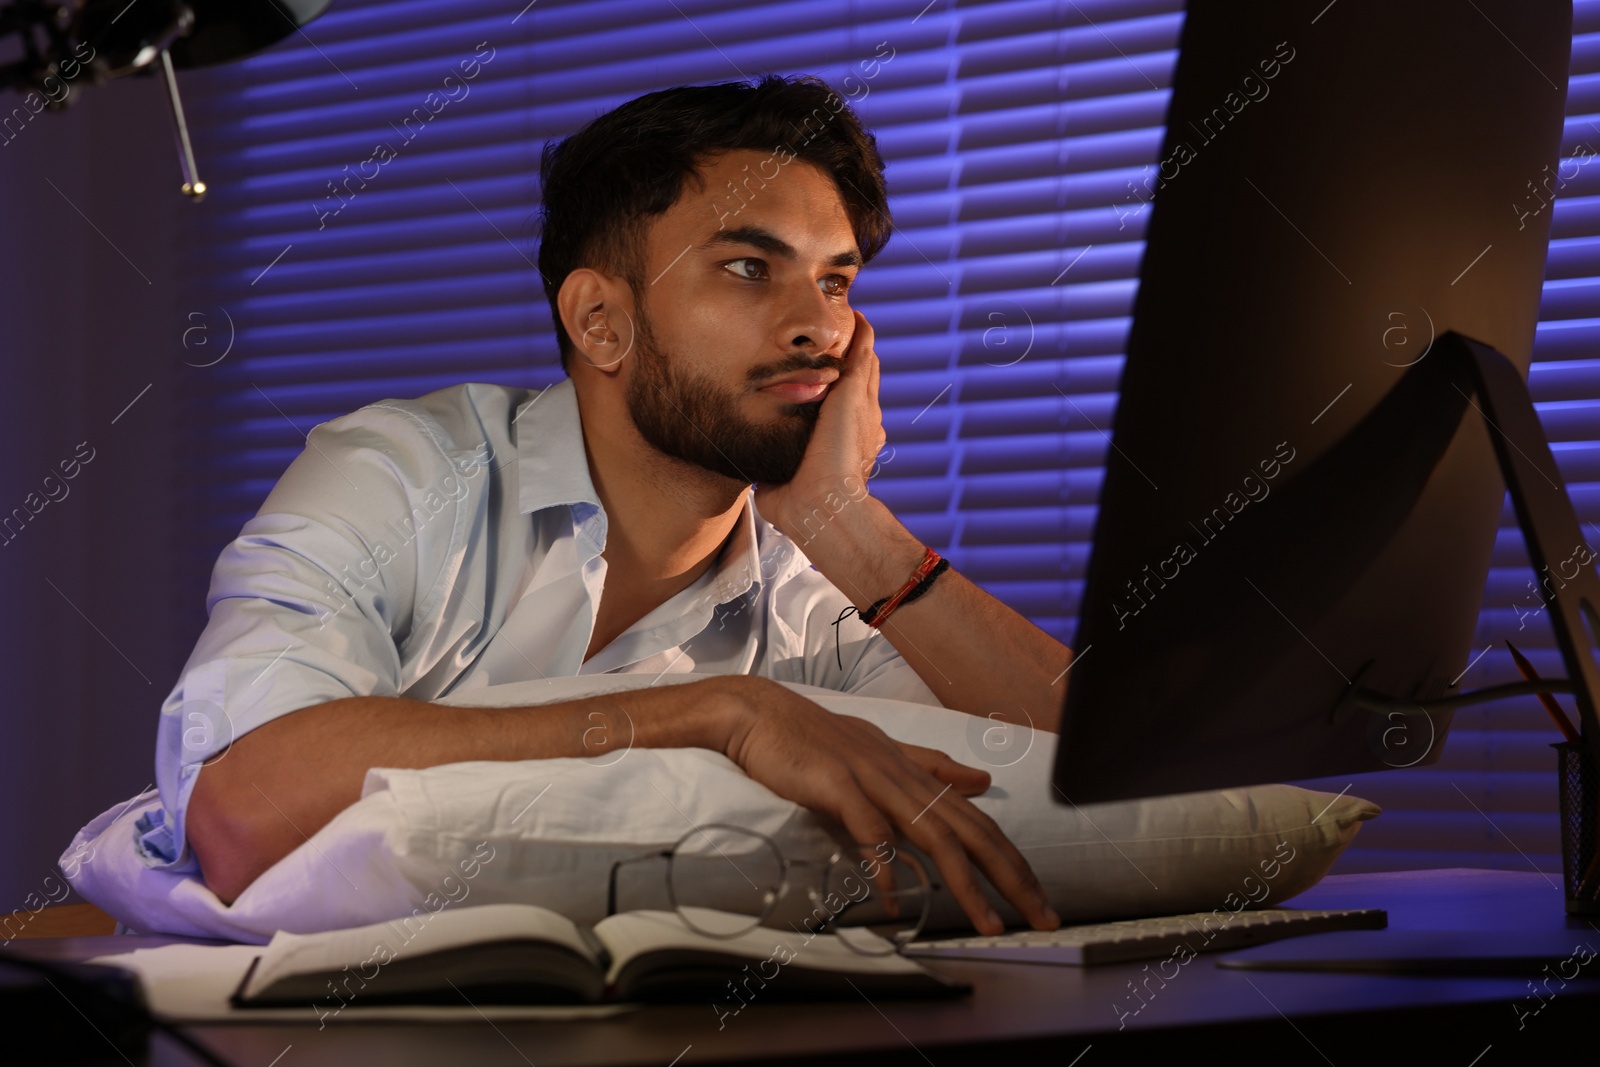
[{"x": 547, "y": 832}]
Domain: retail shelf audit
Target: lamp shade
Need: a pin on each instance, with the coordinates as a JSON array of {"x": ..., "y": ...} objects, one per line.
[{"x": 129, "y": 35}]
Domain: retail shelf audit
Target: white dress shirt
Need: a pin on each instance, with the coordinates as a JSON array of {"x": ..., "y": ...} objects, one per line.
[{"x": 419, "y": 548}]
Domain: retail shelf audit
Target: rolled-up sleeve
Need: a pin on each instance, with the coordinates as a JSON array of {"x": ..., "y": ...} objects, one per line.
[{"x": 311, "y": 601}]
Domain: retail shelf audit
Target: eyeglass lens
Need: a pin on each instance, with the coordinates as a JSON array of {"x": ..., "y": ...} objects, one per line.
[
  {"x": 724, "y": 880},
  {"x": 880, "y": 890}
]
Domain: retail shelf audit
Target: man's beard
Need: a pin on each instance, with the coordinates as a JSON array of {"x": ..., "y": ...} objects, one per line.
[{"x": 691, "y": 418}]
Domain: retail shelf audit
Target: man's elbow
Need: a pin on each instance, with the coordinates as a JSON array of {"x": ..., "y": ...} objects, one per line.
[{"x": 226, "y": 834}]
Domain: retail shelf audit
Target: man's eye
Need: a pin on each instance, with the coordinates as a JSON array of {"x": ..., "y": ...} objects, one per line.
[
  {"x": 836, "y": 285},
  {"x": 738, "y": 266}
]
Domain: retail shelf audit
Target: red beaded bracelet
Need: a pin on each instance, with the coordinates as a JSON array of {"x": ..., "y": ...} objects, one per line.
[
  {"x": 880, "y": 610},
  {"x": 921, "y": 579}
]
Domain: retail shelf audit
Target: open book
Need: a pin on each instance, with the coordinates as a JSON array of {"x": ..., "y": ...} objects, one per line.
[{"x": 524, "y": 954}]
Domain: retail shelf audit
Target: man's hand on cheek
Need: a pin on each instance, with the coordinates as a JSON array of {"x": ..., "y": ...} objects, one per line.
[{"x": 844, "y": 444}]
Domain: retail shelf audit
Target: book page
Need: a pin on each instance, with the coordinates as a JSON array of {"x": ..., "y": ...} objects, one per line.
[
  {"x": 363, "y": 948},
  {"x": 635, "y": 933}
]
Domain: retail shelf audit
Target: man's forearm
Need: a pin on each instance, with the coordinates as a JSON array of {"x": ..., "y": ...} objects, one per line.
[
  {"x": 975, "y": 653},
  {"x": 286, "y": 779}
]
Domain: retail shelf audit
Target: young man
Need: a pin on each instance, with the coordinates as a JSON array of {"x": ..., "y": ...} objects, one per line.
[{"x": 698, "y": 249}]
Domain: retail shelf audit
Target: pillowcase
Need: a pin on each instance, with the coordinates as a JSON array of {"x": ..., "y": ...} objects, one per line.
[{"x": 547, "y": 832}]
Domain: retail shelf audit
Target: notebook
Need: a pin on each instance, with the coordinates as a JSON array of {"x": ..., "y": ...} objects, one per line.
[{"x": 525, "y": 954}]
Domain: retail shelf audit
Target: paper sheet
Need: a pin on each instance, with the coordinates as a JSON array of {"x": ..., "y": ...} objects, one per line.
[{"x": 192, "y": 983}]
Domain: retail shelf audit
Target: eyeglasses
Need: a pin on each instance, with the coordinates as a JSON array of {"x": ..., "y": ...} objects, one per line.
[{"x": 725, "y": 881}]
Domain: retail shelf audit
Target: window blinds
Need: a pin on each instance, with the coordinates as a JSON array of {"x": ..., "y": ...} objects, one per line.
[{"x": 371, "y": 234}]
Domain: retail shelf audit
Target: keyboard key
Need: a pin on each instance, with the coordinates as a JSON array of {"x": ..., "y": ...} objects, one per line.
[{"x": 1153, "y": 938}]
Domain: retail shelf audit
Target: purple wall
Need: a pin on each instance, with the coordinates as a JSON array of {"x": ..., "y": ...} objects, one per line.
[{"x": 92, "y": 637}]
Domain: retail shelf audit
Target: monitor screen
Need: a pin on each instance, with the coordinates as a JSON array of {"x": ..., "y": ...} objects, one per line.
[{"x": 1299, "y": 495}]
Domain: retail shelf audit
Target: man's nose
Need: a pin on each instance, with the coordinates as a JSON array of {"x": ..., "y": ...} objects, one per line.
[{"x": 810, "y": 322}]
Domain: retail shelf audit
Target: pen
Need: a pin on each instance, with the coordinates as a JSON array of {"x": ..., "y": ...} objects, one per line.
[{"x": 1563, "y": 723}]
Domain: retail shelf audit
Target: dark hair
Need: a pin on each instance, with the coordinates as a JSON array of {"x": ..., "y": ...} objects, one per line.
[{"x": 602, "y": 185}]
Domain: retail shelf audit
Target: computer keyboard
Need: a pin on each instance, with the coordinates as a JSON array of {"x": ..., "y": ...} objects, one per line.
[{"x": 1149, "y": 939}]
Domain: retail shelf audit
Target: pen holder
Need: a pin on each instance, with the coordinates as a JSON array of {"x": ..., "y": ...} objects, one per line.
[{"x": 1579, "y": 796}]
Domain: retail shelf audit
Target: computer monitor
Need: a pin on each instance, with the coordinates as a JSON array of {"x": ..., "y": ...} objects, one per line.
[{"x": 1301, "y": 492}]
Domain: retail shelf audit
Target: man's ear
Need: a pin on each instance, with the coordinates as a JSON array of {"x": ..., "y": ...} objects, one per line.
[{"x": 596, "y": 310}]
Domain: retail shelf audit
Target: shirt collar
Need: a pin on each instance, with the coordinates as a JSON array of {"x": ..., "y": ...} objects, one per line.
[
  {"x": 738, "y": 566},
  {"x": 552, "y": 464},
  {"x": 553, "y": 469}
]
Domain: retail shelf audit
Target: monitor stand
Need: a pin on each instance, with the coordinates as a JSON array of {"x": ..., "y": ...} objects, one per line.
[{"x": 1555, "y": 545}]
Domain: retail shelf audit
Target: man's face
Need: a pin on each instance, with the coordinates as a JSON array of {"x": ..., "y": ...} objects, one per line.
[{"x": 744, "y": 286}]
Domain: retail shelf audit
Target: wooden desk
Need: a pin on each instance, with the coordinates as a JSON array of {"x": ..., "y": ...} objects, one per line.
[
  {"x": 57, "y": 920},
  {"x": 1021, "y": 1013}
]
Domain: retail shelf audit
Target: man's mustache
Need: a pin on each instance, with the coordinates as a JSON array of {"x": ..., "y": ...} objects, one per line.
[{"x": 798, "y": 361}]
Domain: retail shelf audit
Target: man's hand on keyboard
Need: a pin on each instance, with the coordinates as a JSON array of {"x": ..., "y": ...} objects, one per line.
[{"x": 851, "y": 770}]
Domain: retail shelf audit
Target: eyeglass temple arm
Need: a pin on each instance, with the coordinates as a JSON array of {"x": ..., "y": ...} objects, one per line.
[{"x": 611, "y": 880}]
